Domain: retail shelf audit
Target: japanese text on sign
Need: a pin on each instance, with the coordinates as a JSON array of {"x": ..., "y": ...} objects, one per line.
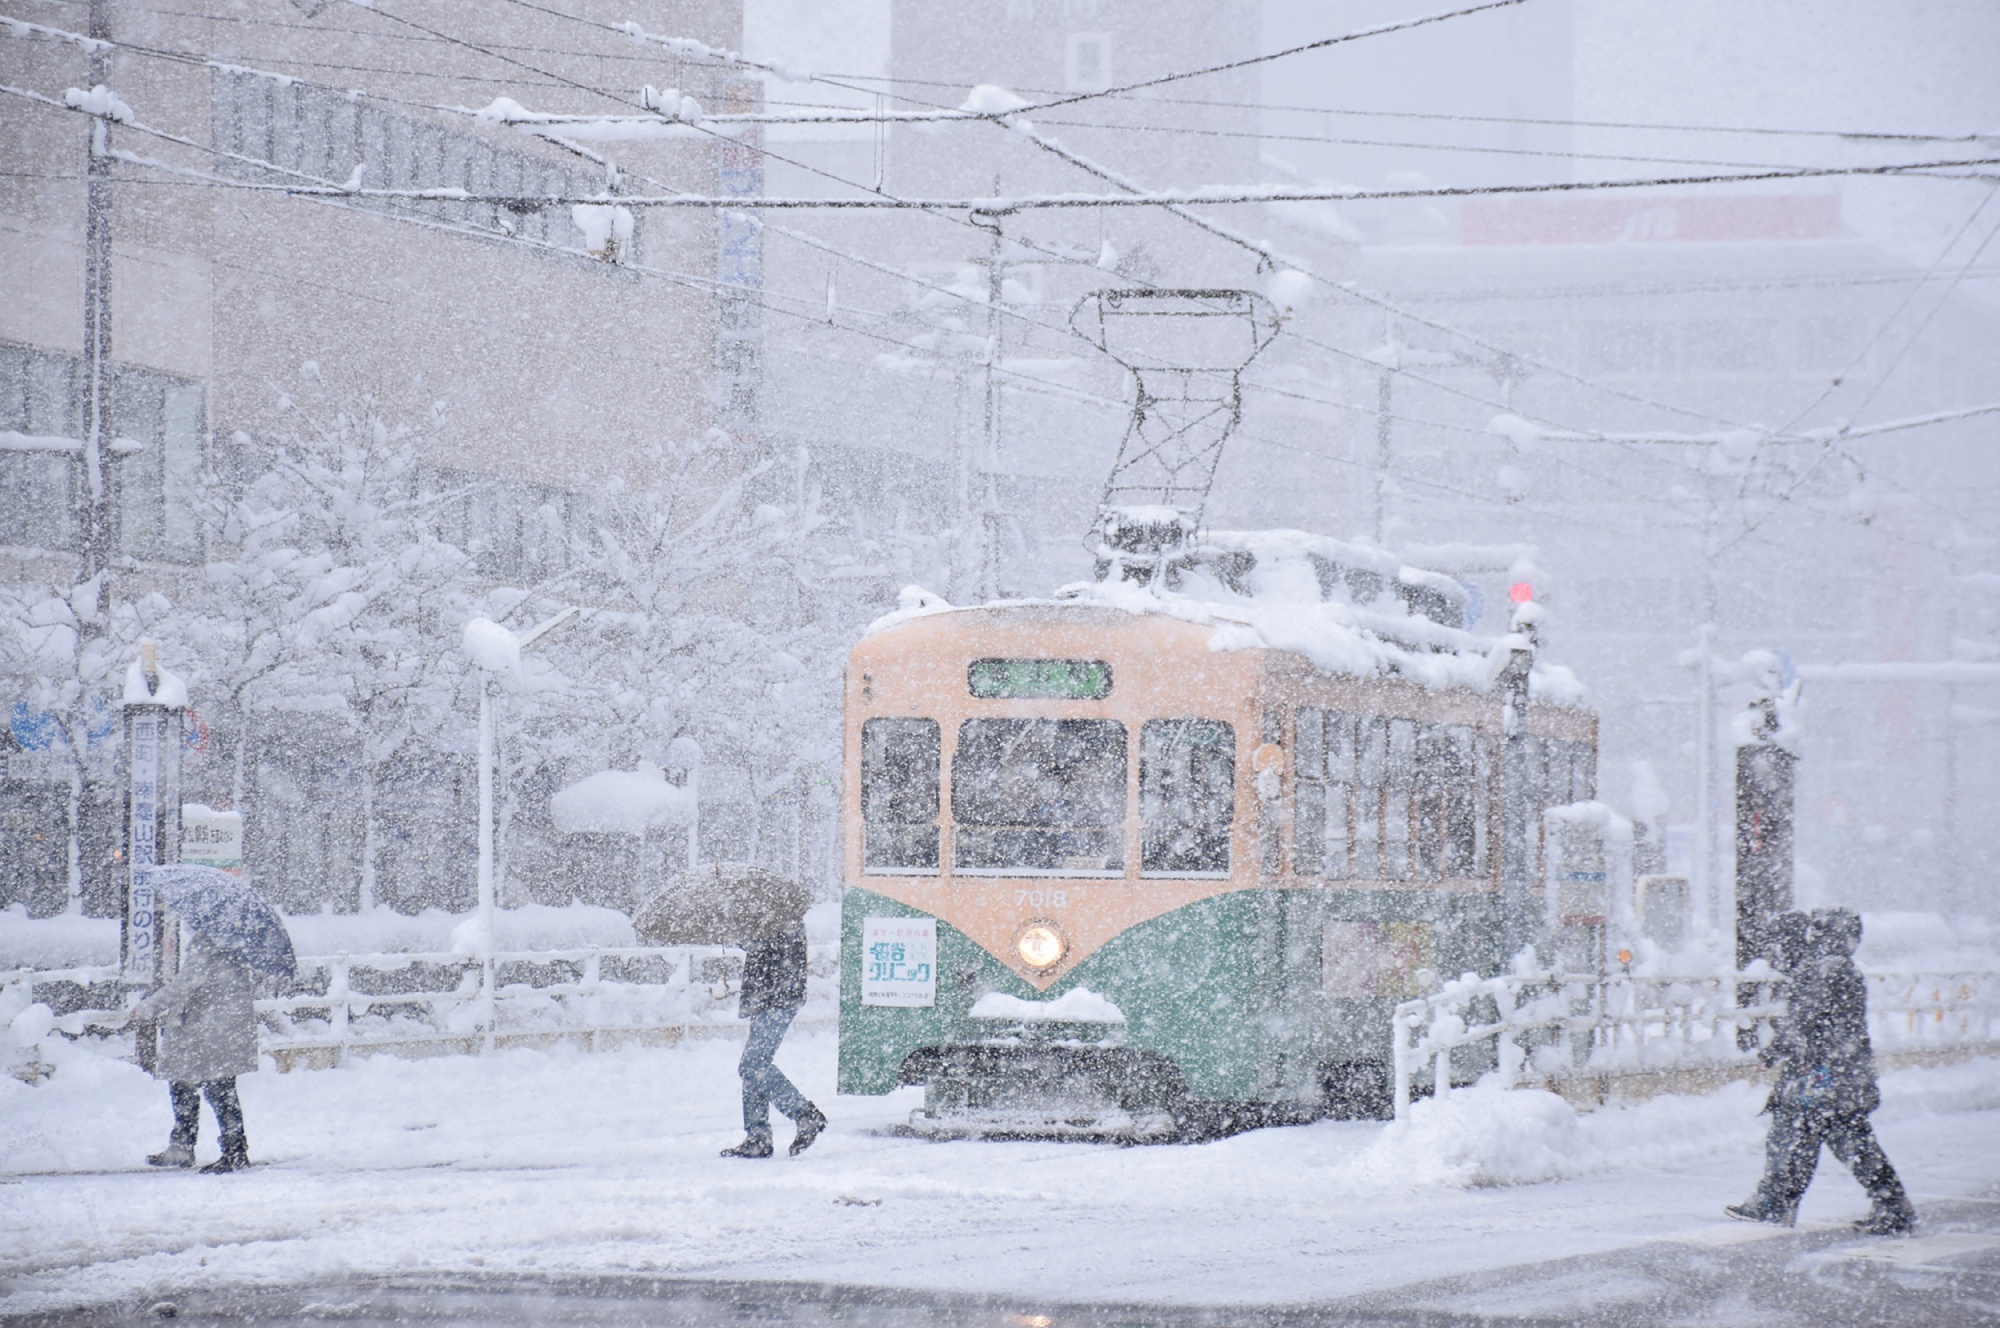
[{"x": 899, "y": 961}]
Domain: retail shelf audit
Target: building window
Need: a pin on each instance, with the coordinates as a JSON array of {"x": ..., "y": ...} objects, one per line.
[
  {"x": 1087, "y": 62},
  {"x": 155, "y": 490}
]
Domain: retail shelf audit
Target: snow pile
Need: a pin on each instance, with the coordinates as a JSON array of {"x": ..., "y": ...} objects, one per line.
[
  {"x": 172, "y": 689},
  {"x": 621, "y": 802},
  {"x": 671, "y": 103},
  {"x": 1290, "y": 290},
  {"x": 1477, "y": 1137},
  {"x": 491, "y": 646},
  {"x": 100, "y": 100},
  {"x": 606, "y": 228},
  {"x": 990, "y": 99},
  {"x": 1078, "y": 1005},
  {"x": 911, "y": 602},
  {"x": 66, "y": 941},
  {"x": 1911, "y": 942},
  {"x": 505, "y": 110},
  {"x": 382, "y": 930}
]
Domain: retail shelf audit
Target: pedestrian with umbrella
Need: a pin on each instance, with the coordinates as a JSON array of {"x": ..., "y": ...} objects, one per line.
[
  {"x": 205, "y": 1013},
  {"x": 764, "y": 913}
]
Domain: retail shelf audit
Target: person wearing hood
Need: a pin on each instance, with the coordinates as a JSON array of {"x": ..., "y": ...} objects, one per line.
[
  {"x": 208, "y": 1036},
  {"x": 774, "y": 987},
  {"x": 1825, "y": 1085}
]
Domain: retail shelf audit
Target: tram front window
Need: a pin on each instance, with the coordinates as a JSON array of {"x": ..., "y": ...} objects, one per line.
[
  {"x": 899, "y": 794},
  {"x": 1039, "y": 795},
  {"x": 1187, "y": 796}
]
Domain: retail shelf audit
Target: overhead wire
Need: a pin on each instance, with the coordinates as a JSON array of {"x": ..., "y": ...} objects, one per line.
[{"x": 580, "y": 86}]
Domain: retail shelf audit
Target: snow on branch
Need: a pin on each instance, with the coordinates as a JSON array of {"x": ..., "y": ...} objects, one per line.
[{"x": 11, "y": 441}]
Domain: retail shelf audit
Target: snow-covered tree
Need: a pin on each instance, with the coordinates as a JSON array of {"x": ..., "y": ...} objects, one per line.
[
  {"x": 69, "y": 657},
  {"x": 332, "y": 590}
]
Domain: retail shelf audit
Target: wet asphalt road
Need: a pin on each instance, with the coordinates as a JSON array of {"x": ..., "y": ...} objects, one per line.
[{"x": 1946, "y": 1276}]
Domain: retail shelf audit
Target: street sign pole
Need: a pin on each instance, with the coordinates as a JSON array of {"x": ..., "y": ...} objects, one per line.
[{"x": 154, "y": 706}]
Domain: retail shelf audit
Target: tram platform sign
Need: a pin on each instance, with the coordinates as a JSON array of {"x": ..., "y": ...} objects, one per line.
[{"x": 899, "y": 961}]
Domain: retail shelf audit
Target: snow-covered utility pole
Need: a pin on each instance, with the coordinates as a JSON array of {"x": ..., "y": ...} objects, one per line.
[
  {"x": 1705, "y": 888},
  {"x": 989, "y": 559},
  {"x": 94, "y": 494},
  {"x": 1384, "y": 391},
  {"x": 1517, "y": 815},
  {"x": 1764, "y": 784}
]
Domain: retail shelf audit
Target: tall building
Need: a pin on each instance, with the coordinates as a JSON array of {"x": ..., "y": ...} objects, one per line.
[{"x": 270, "y": 233}]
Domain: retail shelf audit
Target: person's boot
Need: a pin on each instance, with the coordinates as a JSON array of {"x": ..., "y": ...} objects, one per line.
[
  {"x": 752, "y": 1146},
  {"x": 1756, "y": 1210},
  {"x": 173, "y": 1155},
  {"x": 235, "y": 1157},
  {"x": 1889, "y": 1217},
  {"x": 810, "y": 1122}
]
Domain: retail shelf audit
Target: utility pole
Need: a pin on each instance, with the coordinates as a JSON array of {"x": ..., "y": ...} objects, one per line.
[
  {"x": 93, "y": 828},
  {"x": 93, "y": 495},
  {"x": 1383, "y": 390},
  {"x": 990, "y": 516}
]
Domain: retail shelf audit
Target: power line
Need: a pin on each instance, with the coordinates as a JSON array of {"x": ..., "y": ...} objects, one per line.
[
  {"x": 1169, "y": 199},
  {"x": 1380, "y": 30}
]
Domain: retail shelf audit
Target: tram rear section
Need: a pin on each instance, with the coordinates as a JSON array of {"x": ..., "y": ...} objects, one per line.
[{"x": 1150, "y": 864}]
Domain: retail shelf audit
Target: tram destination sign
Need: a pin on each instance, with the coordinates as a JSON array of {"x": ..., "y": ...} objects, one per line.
[{"x": 1040, "y": 679}]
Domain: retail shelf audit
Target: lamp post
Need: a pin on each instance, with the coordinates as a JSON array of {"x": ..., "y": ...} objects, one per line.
[{"x": 496, "y": 651}]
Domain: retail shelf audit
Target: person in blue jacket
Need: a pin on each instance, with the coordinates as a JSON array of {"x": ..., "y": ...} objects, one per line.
[
  {"x": 774, "y": 987},
  {"x": 1825, "y": 1086}
]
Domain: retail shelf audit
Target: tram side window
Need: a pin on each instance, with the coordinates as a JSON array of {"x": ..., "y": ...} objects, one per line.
[
  {"x": 1479, "y": 807},
  {"x": 1371, "y": 760},
  {"x": 1340, "y": 735},
  {"x": 899, "y": 794},
  {"x": 1040, "y": 795},
  {"x": 1448, "y": 839},
  {"x": 1583, "y": 772},
  {"x": 1187, "y": 796},
  {"x": 1399, "y": 781}
]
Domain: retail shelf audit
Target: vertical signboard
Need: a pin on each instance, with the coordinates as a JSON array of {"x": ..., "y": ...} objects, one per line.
[
  {"x": 899, "y": 961},
  {"x": 146, "y": 724}
]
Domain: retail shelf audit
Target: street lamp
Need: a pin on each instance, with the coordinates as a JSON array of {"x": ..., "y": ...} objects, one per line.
[{"x": 496, "y": 651}]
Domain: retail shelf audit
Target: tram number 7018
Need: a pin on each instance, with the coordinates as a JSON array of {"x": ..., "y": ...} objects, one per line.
[{"x": 1041, "y": 898}]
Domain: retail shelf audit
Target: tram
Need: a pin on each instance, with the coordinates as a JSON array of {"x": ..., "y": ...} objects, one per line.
[{"x": 1150, "y": 863}]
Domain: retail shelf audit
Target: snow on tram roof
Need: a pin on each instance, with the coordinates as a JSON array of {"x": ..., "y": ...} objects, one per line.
[{"x": 1349, "y": 608}]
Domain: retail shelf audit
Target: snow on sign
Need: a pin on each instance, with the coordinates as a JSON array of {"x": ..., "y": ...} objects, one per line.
[{"x": 899, "y": 961}]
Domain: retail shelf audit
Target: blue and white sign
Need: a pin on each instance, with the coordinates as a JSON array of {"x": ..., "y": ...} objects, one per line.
[
  {"x": 35, "y": 730},
  {"x": 141, "y": 957},
  {"x": 899, "y": 961}
]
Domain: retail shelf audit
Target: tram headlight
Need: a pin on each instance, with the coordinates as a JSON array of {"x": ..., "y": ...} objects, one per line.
[{"x": 1041, "y": 945}]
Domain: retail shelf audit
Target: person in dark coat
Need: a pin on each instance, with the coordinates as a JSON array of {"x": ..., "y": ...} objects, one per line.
[
  {"x": 774, "y": 987},
  {"x": 208, "y": 1036},
  {"x": 1826, "y": 1085}
]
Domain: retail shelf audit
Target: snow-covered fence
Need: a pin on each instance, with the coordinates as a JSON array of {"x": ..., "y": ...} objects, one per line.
[
  {"x": 1555, "y": 1030},
  {"x": 598, "y": 996},
  {"x": 1542, "y": 1028},
  {"x": 1916, "y": 1012}
]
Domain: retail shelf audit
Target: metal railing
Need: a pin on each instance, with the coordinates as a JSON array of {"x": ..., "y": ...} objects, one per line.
[
  {"x": 1545, "y": 1029},
  {"x": 593, "y": 996}
]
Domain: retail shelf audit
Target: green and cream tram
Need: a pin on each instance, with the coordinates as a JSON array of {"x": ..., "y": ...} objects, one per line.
[{"x": 1133, "y": 863}]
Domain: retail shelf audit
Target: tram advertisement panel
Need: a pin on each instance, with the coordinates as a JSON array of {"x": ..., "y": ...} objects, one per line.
[{"x": 899, "y": 961}]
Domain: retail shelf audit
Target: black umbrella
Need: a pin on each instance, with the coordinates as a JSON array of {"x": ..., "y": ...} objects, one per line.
[{"x": 227, "y": 913}]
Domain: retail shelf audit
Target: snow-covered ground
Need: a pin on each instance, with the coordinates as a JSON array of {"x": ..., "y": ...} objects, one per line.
[{"x": 563, "y": 1162}]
